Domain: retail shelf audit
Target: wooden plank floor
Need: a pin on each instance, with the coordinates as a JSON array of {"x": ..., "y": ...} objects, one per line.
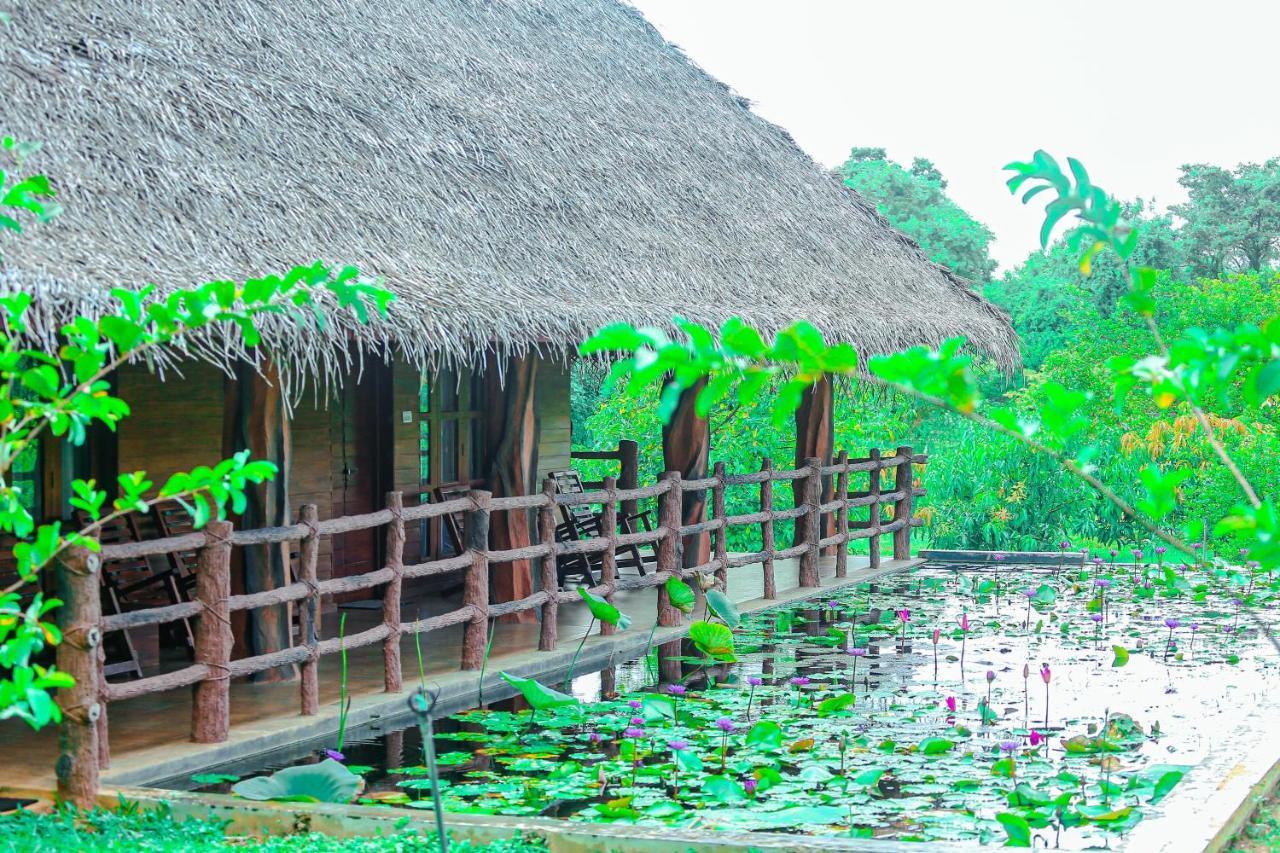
[{"x": 163, "y": 720}]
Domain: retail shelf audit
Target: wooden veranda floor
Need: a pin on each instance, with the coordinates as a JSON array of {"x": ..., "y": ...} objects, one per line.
[{"x": 152, "y": 730}]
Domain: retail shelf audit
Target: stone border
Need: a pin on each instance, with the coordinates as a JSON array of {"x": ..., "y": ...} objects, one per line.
[{"x": 1024, "y": 558}]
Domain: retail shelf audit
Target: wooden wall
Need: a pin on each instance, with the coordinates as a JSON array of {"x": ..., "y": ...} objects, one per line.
[
  {"x": 177, "y": 424},
  {"x": 553, "y": 417},
  {"x": 174, "y": 425}
]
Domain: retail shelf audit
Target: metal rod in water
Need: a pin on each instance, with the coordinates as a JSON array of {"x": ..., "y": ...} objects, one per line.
[{"x": 422, "y": 703}]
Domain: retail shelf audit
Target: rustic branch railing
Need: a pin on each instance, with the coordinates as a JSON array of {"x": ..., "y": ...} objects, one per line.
[{"x": 85, "y": 746}]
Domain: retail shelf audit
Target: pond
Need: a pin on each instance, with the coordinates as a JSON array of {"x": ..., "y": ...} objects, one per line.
[{"x": 1024, "y": 704}]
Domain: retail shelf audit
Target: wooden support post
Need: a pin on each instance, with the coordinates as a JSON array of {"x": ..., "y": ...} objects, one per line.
[
  {"x": 842, "y": 515},
  {"x": 811, "y": 490},
  {"x": 815, "y": 437},
  {"x": 686, "y": 445},
  {"x": 609, "y": 530},
  {"x": 393, "y": 676},
  {"x": 476, "y": 591},
  {"x": 255, "y": 418},
  {"x": 766, "y": 529},
  {"x": 513, "y": 463},
  {"x": 79, "y": 581},
  {"x": 211, "y": 703},
  {"x": 550, "y": 574},
  {"x": 309, "y": 611},
  {"x": 721, "y": 553},
  {"x": 873, "y": 511},
  {"x": 629, "y": 474},
  {"x": 669, "y": 515},
  {"x": 902, "y": 508}
]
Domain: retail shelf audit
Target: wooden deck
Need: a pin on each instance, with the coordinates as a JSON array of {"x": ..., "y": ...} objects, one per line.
[{"x": 150, "y": 734}]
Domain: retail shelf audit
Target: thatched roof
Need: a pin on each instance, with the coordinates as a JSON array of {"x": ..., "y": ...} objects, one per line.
[{"x": 521, "y": 172}]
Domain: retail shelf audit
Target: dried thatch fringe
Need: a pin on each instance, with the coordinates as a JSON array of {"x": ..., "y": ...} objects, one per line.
[{"x": 520, "y": 172}]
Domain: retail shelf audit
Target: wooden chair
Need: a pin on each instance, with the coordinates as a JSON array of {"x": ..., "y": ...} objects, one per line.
[
  {"x": 580, "y": 522},
  {"x": 454, "y": 523},
  {"x": 133, "y": 583}
]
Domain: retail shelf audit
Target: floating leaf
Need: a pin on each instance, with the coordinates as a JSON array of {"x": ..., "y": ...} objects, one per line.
[
  {"x": 1122, "y": 656},
  {"x": 1016, "y": 828},
  {"x": 765, "y": 734},
  {"x": 836, "y": 704},
  {"x": 325, "y": 782},
  {"x": 936, "y": 745},
  {"x": 723, "y": 789},
  {"x": 539, "y": 696}
]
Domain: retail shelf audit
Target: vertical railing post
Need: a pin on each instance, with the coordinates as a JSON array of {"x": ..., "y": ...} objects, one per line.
[
  {"x": 550, "y": 573},
  {"x": 211, "y": 704},
  {"x": 79, "y": 582},
  {"x": 811, "y": 495},
  {"x": 902, "y": 507},
  {"x": 873, "y": 511},
  {"x": 309, "y": 612},
  {"x": 766, "y": 528},
  {"x": 609, "y": 556},
  {"x": 842, "y": 514},
  {"x": 721, "y": 548},
  {"x": 393, "y": 675},
  {"x": 629, "y": 474},
  {"x": 669, "y": 516},
  {"x": 476, "y": 591}
]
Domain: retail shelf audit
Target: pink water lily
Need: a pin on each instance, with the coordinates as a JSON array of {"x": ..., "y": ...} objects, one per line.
[
  {"x": 1037, "y": 738},
  {"x": 951, "y": 704}
]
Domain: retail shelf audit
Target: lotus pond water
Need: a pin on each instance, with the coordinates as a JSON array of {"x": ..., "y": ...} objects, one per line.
[{"x": 994, "y": 704}]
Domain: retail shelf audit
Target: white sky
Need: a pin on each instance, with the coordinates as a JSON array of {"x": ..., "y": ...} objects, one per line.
[{"x": 1134, "y": 88}]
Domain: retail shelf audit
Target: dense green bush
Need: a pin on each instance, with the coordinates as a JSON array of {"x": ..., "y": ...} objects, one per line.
[{"x": 137, "y": 830}]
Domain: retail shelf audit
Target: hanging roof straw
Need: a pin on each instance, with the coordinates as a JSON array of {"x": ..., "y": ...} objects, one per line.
[{"x": 520, "y": 173}]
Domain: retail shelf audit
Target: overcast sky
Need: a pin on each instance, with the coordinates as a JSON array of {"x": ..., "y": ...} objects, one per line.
[{"x": 1131, "y": 87}]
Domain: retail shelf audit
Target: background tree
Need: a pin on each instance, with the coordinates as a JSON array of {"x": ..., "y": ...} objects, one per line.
[
  {"x": 1232, "y": 217},
  {"x": 916, "y": 203}
]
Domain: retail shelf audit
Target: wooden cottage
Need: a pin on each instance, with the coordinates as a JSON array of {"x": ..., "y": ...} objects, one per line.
[{"x": 519, "y": 172}]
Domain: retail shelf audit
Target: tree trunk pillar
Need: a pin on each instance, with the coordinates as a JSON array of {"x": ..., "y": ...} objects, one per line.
[
  {"x": 79, "y": 579},
  {"x": 686, "y": 447}
]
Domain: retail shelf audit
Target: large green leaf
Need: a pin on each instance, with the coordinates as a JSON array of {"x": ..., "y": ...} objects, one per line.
[
  {"x": 680, "y": 594},
  {"x": 836, "y": 704},
  {"x": 723, "y": 607},
  {"x": 936, "y": 745},
  {"x": 604, "y": 611},
  {"x": 539, "y": 696},
  {"x": 713, "y": 640},
  {"x": 326, "y": 782},
  {"x": 1017, "y": 828},
  {"x": 766, "y": 734},
  {"x": 723, "y": 790}
]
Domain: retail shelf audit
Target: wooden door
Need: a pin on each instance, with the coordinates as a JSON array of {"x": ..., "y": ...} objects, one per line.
[{"x": 362, "y": 468}]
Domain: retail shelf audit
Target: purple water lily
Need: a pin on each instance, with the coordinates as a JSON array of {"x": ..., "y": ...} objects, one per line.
[
  {"x": 753, "y": 681},
  {"x": 335, "y": 755}
]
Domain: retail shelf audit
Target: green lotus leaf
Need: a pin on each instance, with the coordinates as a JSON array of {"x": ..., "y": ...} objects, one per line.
[
  {"x": 936, "y": 745},
  {"x": 836, "y": 704},
  {"x": 539, "y": 696},
  {"x": 713, "y": 640},
  {"x": 680, "y": 594},
  {"x": 1122, "y": 656},
  {"x": 723, "y": 789},
  {"x": 723, "y": 607},
  {"x": 604, "y": 611},
  {"x": 765, "y": 734},
  {"x": 325, "y": 782},
  {"x": 1017, "y": 828}
]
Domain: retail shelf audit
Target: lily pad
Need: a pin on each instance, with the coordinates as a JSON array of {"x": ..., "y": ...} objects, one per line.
[{"x": 325, "y": 782}]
